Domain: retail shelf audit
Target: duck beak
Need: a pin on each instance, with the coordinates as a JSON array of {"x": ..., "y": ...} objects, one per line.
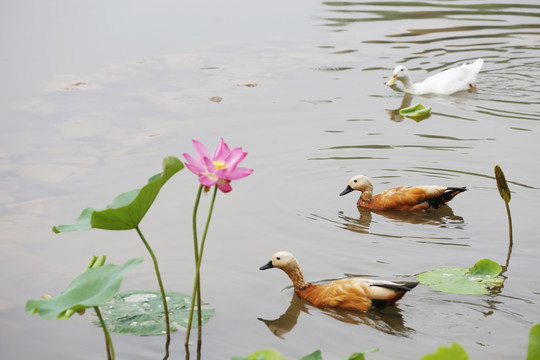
[
  {"x": 392, "y": 80},
  {"x": 267, "y": 266},
  {"x": 347, "y": 190}
]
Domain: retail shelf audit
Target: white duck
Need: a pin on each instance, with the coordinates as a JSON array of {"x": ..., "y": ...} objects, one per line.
[{"x": 446, "y": 82}]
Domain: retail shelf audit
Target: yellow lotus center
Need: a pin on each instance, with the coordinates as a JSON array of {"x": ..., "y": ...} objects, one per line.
[{"x": 219, "y": 165}]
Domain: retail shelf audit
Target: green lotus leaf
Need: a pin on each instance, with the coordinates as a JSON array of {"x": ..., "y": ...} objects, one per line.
[
  {"x": 266, "y": 354},
  {"x": 127, "y": 209},
  {"x": 452, "y": 352},
  {"x": 361, "y": 355},
  {"x": 416, "y": 112},
  {"x": 533, "y": 349},
  {"x": 477, "y": 280},
  {"x": 140, "y": 312},
  {"x": 316, "y": 355},
  {"x": 92, "y": 288},
  {"x": 270, "y": 354}
]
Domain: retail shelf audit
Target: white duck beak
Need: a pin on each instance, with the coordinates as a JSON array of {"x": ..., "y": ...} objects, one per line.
[{"x": 392, "y": 80}]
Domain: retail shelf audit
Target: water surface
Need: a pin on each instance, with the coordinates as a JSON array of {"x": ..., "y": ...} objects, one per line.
[{"x": 95, "y": 96}]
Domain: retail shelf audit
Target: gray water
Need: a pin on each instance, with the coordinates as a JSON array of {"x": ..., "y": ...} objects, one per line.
[{"x": 95, "y": 94}]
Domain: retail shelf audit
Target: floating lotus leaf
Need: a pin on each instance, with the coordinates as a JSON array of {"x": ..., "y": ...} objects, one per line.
[
  {"x": 361, "y": 355},
  {"x": 452, "y": 352},
  {"x": 533, "y": 349},
  {"x": 270, "y": 354},
  {"x": 127, "y": 209},
  {"x": 141, "y": 312},
  {"x": 476, "y": 280},
  {"x": 267, "y": 354},
  {"x": 313, "y": 356},
  {"x": 92, "y": 288},
  {"x": 416, "y": 112}
]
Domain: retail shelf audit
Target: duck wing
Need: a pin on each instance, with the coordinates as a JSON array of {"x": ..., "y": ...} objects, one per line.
[
  {"x": 345, "y": 293},
  {"x": 393, "y": 286},
  {"x": 451, "y": 80},
  {"x": 386, "y": 293},
  {"x": 406, "y": 197},
  {"x": 355, "y": 293}
]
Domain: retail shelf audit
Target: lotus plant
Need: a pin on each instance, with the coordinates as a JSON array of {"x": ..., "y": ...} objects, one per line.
[
  {"x": 216, "y": 170},
  {"x": 97, "y": 284},
  {"x": 125, "y": 213}
]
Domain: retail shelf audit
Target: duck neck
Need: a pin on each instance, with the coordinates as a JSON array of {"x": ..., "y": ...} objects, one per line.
[
  {"x": 297, "y": 279},
  {"x": 407, "y": 82},
  {"x": 367, "y": 193}
]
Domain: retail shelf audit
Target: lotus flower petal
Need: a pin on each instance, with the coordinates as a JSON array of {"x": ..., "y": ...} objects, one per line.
[
  {"x": 201, "y": 150},
  {"x": 239, "y": 173},
  {"x": 194, "y": 165},
  {"x": 221, "y": 151},
  {"x": 208, "y": 180},
  {"x": 221, "y": 168},
  {"x": 224, "y": 185}
]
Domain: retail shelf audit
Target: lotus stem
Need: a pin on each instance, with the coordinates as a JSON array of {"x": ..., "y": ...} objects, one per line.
[
  {"x": 210, "y": 211},
  {"x": 162, "y": 290},
  {"x": 511, "y": 242},
  {"x": 509, "y": 223},
  {"x": 108, "y": 341},
  {"x": 198, "y": 259},
  {"x": 196, "y": 287}
]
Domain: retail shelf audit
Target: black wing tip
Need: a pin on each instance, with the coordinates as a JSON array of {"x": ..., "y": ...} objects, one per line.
[
  {"x": 400, "y": 287},
  {"x": 456, "y": 188},
  {"x": 410, "y": 285}
]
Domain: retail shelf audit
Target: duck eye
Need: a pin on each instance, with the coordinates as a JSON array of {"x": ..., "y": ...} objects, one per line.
[
  {"x": 400, "y": 69},
  {"x": 355, "y": 180},
  {"x": 278, "y": 258}
]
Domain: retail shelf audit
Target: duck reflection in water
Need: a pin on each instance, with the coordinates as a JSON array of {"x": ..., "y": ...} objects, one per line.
[
  {"x": 405, "y": 103},
  {"x": 443, "y": 216},
  {"x": 389, "y": 321}
]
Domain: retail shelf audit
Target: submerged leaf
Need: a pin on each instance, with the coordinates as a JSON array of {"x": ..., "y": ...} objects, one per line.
[
  {"x": 502, "y": 185},
  {"x": 416, "y": 112},
  {"x": 533, "y": 349},
  {"x": 316, "y": 355},
  {"x": 361, "y": 355},
  {"x": 453, "y": 352},
  {"x": 267, "y": 354},
  {"x": 482, "y": 276},
  {"x": 141, "y": 312},
  {"x": 92, "y": 288},
  {"x": 271, "y": 354},
  {"x": 127, "y": 209}
]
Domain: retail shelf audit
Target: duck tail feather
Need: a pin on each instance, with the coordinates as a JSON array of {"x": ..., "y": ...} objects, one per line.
[
  {"x": 397, "y": 287},
  {"x": 446, "y": 196}
]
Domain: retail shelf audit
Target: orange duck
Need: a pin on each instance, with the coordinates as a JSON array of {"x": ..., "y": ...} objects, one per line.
[
  {"x": 350, "y": 293},
  {"x": 403, "y": 198}
]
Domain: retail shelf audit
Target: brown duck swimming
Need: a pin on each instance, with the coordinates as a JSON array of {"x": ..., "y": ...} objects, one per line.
[
  {"x": 403, "y": 198},
  {"x": 350, "y": 293}
]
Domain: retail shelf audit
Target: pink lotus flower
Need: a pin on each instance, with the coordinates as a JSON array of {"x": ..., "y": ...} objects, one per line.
[{"x": 219, "y": 169}]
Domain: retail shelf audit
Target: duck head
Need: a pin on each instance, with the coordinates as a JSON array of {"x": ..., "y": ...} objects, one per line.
[
  {"x": 360, "y": 183},
  {"x": 400, "y": 73},
  {"x": 282, "y": 260},
  {"x": 287, "y": 262}
]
